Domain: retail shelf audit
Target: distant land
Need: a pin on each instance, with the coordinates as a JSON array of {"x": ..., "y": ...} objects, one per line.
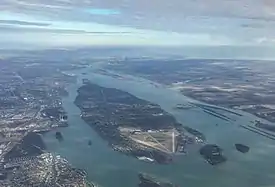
[
  {"x": 33, "y": 84},
  {"x": 246, "y": 85}
]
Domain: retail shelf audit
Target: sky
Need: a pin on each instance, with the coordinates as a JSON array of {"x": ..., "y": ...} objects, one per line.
[{"x": 51, "y": 23}]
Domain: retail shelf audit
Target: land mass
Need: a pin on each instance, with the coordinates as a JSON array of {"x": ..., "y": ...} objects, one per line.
[
  {"x": 212, "y": 154},
  {"x": 148, "y": 181},
  {"x": 242, "y": 148},
  {"x": 132, "y": 125},
  {"x": 246, "y": 85},
  {"x": 30, "y": 105}
]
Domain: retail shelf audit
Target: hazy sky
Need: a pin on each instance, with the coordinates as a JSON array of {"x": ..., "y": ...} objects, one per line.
[{"x": 43, "y": 23}]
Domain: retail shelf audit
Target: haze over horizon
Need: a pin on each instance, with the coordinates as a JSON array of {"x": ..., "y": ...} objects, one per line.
[
  {"x": 59, "y": 23},
  {"x": 137, "y": 93}
]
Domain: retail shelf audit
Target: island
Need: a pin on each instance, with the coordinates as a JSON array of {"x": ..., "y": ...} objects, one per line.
[
  {"x": 148, "y": 181},
  {"x": 59, "y": 136},
  {"x": 183, "y": 107},
  {"x": 133, "y": 126},
  {"x": 242, "y": 148},
  {"x": 212, "y": 154}
]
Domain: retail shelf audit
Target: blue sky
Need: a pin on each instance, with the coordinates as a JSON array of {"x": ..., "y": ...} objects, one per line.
[{"x": 51, "y": 23}]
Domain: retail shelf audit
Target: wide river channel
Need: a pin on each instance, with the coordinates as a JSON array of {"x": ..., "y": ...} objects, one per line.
[{"x": 108, "y": 168}]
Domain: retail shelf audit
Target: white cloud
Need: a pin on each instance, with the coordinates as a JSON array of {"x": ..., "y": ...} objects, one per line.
[
  {"x": 265, "y": 40},
  {"x": 160, "y": 22}
]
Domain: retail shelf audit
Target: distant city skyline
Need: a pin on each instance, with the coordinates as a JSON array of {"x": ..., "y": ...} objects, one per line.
[{"x": 64, "y": 23}]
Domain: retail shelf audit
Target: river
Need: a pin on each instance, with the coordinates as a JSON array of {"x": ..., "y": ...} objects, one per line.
[{"x": 111, "y": 169}]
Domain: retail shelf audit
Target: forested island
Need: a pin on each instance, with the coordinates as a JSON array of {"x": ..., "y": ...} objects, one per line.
[{"x": 133, "y": 126}]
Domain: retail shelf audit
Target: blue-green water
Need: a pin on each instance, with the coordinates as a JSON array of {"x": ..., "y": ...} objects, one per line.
[{"x": 111, "y": 169}]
